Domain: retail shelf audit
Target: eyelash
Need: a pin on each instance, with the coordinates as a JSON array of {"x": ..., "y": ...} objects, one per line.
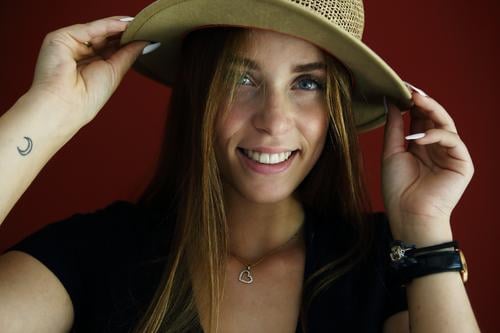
[{"x": 319, "y": 83}]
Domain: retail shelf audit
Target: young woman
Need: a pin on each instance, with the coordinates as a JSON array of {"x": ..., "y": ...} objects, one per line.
[{"x": 257, "y": 219}]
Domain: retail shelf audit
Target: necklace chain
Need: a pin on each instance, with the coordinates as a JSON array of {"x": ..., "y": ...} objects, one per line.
[{"x": 246, "y": 273}]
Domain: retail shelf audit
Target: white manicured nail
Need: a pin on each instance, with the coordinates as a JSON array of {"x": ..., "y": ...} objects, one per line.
[
  {"x": 415, "y": 136},
  {"x": 127, "y": 19},
  {"x": 419, "y": 91},
  {"x": 151, "y": 47}
]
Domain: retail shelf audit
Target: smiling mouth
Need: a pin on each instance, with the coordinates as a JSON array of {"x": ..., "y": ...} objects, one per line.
[{"x": 267, "y": 158}]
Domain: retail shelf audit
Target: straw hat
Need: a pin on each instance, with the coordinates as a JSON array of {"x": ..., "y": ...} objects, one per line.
[{"x": 335, "y": 26}]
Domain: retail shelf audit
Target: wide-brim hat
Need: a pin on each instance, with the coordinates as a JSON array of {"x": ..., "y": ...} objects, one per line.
[{"x": 336, "y": 26}]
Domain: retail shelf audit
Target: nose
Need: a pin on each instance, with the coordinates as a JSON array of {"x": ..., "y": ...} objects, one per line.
[{"x": 275, "y": 114}]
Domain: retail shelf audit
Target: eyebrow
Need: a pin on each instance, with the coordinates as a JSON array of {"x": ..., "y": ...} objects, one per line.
[{"x": 296, "y": 69}]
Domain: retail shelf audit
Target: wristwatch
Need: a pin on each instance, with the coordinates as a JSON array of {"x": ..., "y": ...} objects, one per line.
[
  {"x": 463, "y": 272},
  {"x": 410, "y": 263}
]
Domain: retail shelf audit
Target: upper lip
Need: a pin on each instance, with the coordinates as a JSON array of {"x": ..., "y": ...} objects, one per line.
[{"x": 269, "y": 150}]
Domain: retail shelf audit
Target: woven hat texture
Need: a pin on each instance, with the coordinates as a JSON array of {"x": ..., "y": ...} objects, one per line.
[{"x": 347, "y": 14}]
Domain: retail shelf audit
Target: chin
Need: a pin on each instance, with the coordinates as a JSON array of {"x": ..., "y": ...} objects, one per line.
[{"x": 267, "y": 196}]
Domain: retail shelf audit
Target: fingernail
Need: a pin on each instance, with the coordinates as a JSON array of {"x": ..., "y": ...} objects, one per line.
[
  {"x": 151, "y": 47},
  {"x": 415, "y": 136},
  {"x": 419, "y": 91},
  {"x": 127, "y": 19}
]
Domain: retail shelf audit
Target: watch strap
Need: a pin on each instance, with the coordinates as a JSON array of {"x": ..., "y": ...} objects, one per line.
[{"x": 430, "y": 263}]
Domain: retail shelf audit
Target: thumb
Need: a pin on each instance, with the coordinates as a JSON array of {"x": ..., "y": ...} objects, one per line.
[
  {"x": 393, "y": 132},
  {"x": 123, "y": 59}
]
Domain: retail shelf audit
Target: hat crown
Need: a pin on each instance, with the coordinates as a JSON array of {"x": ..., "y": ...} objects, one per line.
[{"x": 348, "y": 15}]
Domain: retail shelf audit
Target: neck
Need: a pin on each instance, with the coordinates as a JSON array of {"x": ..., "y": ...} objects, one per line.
[{"x": 257, "y": 228}]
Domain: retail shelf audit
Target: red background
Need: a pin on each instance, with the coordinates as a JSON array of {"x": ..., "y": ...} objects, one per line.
[{"x": 448, "y": 48}]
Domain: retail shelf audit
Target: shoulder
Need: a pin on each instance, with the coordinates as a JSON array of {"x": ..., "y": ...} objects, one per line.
[
  {"x": 117, "y": 226},
  {"x": 117, "y": 217},
  {"x": 109, "y": 258},
  {"x": 115, "y": 210},
  {"x": 120, "y": 226}
]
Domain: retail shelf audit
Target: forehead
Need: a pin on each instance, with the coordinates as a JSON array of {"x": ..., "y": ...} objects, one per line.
[{"x": 265, "y": 43}]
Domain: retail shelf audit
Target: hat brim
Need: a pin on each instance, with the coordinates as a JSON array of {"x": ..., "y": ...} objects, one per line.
[{"x": 168, "y": 21}]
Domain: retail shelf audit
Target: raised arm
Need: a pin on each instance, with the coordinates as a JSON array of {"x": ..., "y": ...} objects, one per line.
[
  {"x": 73, "y": 80},
  {"x": 421, "y": 186},
  {"x": 72, "y": 83}
]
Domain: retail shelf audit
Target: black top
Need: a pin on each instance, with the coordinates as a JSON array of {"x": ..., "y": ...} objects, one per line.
[{"x": 108, "y": 262}]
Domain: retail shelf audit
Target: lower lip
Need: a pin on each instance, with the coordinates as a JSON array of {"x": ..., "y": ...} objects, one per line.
[{"x": 266, "y": 168}]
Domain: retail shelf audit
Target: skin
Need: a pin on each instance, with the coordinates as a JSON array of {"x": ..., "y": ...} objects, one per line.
[{"x": 274, "y": 107}]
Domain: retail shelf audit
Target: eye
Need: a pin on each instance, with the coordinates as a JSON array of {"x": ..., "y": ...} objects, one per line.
[
  {"x": 310, "y": 83},
  {"x": 245, "y": 79}
]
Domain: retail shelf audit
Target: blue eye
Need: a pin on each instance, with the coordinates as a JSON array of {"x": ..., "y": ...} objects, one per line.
[
  {"x": 244, "y": 79},
  {"x": 310, "y": 84},
  {"x": 306, "y": 83}
]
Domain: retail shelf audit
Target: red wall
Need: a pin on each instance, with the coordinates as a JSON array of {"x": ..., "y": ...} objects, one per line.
[{"x": 448, "y": 48}]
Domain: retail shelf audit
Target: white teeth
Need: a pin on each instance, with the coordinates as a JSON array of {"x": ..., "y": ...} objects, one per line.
[
  {"x": 266, "y": 158},
  {"x": 274, "y": 158}
]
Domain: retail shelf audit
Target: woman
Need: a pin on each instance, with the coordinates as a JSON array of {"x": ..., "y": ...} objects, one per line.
[{"x": 257, "y": 216}]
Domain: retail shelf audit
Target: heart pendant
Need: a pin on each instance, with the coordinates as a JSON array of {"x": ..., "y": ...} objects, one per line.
[{"x": 246, "y": 276}]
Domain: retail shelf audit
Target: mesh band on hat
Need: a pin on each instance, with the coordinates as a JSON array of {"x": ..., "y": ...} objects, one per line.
[{"x": 346, "y": 14}]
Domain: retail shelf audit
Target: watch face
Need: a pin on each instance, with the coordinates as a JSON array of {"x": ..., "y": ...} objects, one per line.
[{"x": 464, "y": 272}]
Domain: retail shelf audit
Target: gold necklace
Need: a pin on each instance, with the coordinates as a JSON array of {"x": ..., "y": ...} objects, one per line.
[{"x": 246, "y": 273}]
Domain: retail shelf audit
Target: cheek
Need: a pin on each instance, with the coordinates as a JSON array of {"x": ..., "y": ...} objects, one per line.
[
  {"x": 231, "y": 126},
  {"x": 314, "y": 126}
]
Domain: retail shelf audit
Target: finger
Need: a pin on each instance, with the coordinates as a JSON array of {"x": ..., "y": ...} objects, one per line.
[
  {"x": 449, "y": 140},
  {"x": 393, "y": 131},
  {"x": 103, "y": 42},
  {"x": 119, "y": 63},
  {"x": 74, "y": 37},
  {"x": 102, "y": 54},
  {"x": 434, "y": 111},
  {"x": 125, "y": 57},
  {"x": 110, "y": 49},
  {"x": 419, "y": 123},
  {"x": 104, "y": 27}
]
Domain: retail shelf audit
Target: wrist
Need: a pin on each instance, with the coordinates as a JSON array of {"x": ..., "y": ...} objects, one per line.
[
  {"x": 426, "y": 234},
  {"x": 58, "y": 119},
  {"x": 409, "y": 262}
]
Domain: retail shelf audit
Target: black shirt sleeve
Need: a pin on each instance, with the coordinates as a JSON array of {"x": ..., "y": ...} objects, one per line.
[
  {"x": 83, "y": 251},
  {"x": 56, "y": 245}
]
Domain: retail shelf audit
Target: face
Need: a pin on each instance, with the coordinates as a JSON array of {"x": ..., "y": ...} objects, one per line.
[{"x": 275, "y": 129}]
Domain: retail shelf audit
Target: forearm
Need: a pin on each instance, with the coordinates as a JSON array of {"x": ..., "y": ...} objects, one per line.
[
  {"x": 439, "y": 303},
  {"x": 36, "y": 118}
]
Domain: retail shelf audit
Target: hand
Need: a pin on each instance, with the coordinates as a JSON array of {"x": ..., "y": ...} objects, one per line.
[
  {"x": 78, "y": 79},
  {"x": 421, "y": 184}
]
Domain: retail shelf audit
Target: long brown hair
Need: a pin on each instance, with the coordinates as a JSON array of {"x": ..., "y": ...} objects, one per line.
[{"x": 187, "y": 192}]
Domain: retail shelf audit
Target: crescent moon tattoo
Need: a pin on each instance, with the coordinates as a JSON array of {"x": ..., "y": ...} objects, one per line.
[{"x": 26, "y": 151}]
